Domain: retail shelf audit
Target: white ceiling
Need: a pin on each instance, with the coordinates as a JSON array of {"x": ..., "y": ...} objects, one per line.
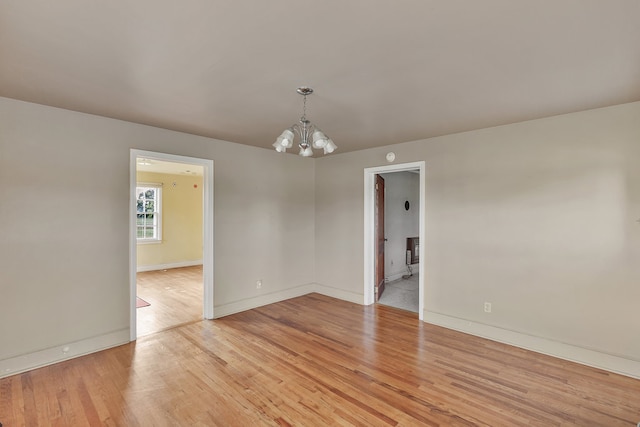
[
  {"x": 384, "y": 72},
  {"x": 174, "y": 168}
]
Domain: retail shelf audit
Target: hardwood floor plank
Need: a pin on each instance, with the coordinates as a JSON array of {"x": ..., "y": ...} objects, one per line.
[
  {"x": 315, "y": 360},
  {"x": 175, "y": 297},
  {"x": 30, "y": 409}
]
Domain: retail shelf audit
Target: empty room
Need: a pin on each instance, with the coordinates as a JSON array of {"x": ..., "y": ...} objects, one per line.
[{"x": 206, "y": 208}]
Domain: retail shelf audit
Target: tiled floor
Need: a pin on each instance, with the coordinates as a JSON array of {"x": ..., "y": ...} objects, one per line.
[{"x": 402, "y": 293}]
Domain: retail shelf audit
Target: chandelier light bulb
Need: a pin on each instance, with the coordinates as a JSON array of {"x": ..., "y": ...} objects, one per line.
[
  {"x": 287, "y": 138},
  {"x": 279, "y": 147},
  {"x": 330, "y": 147},
  {"x": 306, "y": 152},
  {"x": 319, "y": 139}
]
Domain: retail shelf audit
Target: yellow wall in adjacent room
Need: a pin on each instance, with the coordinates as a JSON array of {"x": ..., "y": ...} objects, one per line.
[{"x": 181, "y": 222}]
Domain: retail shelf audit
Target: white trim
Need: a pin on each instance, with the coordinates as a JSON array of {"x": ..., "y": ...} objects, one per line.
[
  {"x": 596, "y": 359},
  {"x": 207, "y": 239},
  {"x": 148, "y": 241},
  {"x": 207, "y": 229},
  {"x": 270, "y": 298},
  {"x": 338, "y": 293},
  {"x": 369, "y": 228},
  {"x": 265, "y": 299},
  {"x": 395, "y": 276},
  {"x": 59, "y": 353},
  {"x": 157, "y": 211},
  {"x": 141, "y": 268},
  {"x": 611, "y": 363}
]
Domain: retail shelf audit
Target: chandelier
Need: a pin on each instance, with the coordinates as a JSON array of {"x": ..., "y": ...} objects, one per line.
[{"x": 310, "y": 136}]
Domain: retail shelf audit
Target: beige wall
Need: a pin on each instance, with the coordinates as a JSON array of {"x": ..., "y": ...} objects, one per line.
[
  {"x": 181, "y": 222},
  {"x": 64, "y": 223},
  {"x": 538, "y": 218}
]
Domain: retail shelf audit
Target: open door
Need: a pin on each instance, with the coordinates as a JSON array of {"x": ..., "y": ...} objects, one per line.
[{"x": 379, "y": 236}]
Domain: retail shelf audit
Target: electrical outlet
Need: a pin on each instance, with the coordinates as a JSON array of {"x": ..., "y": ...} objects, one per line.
[
  {"x": 487, "y": 307},
  {"x": 258, "y": 284}
]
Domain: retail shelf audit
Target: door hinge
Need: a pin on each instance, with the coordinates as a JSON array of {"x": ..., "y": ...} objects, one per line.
[{"x": 376, "y": 187}]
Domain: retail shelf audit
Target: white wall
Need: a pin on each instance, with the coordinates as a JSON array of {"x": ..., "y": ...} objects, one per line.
[
  {"x": 64, "y": 227},
  {"x": 538, "y": 218},
  {"x": 400, "y": 223}
]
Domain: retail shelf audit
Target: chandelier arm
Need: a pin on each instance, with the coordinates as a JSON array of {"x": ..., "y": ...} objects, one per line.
[{"x": 305, "y": 130}]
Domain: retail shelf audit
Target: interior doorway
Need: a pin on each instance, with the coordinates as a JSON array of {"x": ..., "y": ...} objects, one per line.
[
  {"x": 380, "y": 236},
  {"x": 371, "y": 244},
  {"x": 185, "y": 186},
  {"x": 400, "y": 264}
]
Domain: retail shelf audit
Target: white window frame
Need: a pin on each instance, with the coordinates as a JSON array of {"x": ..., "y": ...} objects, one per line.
[{"x": 157, "y": 212}]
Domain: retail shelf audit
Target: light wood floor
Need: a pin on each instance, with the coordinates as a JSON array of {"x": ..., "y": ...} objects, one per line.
[
  {"x": 175, "y": 296},
  {"x": 315, "y": 360}
]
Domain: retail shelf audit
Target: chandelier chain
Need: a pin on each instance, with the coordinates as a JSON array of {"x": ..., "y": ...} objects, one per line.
[{"x": 304, "y": 108}]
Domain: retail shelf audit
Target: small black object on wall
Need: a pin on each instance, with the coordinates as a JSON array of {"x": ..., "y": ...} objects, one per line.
[{"x": 406, "y": 205}]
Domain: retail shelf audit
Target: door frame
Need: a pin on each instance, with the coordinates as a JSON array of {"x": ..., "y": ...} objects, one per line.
[
  {"x": 207, "y": 230},
  {"x": 369, "y": 229},
  {"x": 379, "y": 234}
]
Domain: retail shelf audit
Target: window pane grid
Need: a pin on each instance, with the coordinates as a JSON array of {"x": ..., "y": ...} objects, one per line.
[{"x": 147, "y": 213}]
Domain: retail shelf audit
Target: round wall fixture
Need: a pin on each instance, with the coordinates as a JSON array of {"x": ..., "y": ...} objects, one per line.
[
  {"x": 391, "y": 156},
  {"x": 406, "y": 205}
]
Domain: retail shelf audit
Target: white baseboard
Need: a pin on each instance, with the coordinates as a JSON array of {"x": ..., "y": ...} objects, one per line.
[
  {"x": 259, "y": 301},
  {"x": 612, "y": 363},
  {"x": 339, "y": 293},
  {"x": 192, "y": 263},
  {"x": 49, "y": 356},
  {"x": 398, "y": 274},
  {"x": 608, "y": 362},
  {"x": 62, "y": 352}
]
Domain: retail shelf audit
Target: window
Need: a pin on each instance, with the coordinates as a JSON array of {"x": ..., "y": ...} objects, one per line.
[{"x": 148, "y": 223}]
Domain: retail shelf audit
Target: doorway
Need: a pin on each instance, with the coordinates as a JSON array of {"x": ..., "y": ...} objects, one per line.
[
  {"x": 178, "y": 278},
  {"x": 400, "y": 263},
  {"x": 370, "y": 243}
]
